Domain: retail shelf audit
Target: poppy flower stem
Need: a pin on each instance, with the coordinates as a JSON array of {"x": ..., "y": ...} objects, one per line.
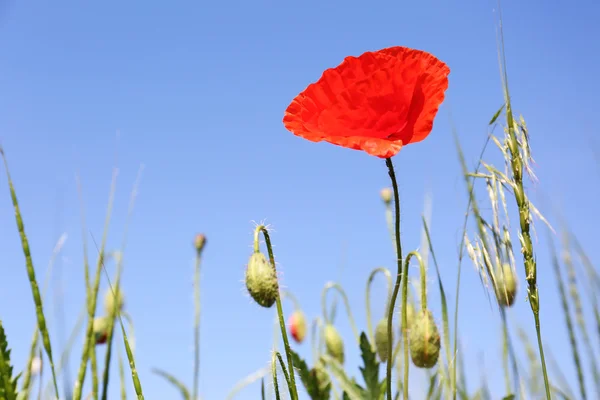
[
  {"x": 392, "y": 173},
  {"x": 340, "y": 290},
  {"x": 286, "y": 343},
  {"x": 388, "y": 278}
]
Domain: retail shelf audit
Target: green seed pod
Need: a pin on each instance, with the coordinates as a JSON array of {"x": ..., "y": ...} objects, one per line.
[
  {"x": 386, "y": 196},
  {"x": 424, "y": 340},
  {"x": 101, "y": 329},
  {"x": 506, "y": 283},
  {"x": 261, "y": 280},
  {"x": 381, "y": 340},
  {"x": 109, "y": 300},
  {"x": 320, "y": 373},
  {"x": 334, "y": 343}
]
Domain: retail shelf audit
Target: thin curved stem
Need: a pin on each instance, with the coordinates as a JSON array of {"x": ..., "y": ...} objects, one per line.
[
  {"x": 338, "y": 287},
  {"x": 286, "y": 293},
  {"x": 392, "y": 174},
  {"x": 388, "y": 277},
  {"x": 315, "y": 345},
  {"x": 286, "y": 342}
]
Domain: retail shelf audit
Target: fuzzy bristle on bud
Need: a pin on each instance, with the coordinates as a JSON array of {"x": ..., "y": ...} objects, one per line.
[
  {"x": 381, "y": 340},
  {"x": 506, "y": 284},
  {"x": 386, "y": 195},
  {"x": 109, "y": 300},
  {"x": 101, "y": 329},
  {"x": 334, "y": 343},
  {"x": 297, "y": 323},
  {"x": 199, "y": 242},
  {"x": 424, "y": 340},
  {"x": 261, "y": 280}
]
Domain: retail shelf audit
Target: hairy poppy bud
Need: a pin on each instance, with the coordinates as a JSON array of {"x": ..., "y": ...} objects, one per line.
[
  {"x": 381, "y": 340},
  {"x": 109, "y": 300},
  {"x": 261, "y": 280},
  {"x": 424, "y": 340},
  {"x": 506, "y": 286},
  {"x": 199, "y": 242},
  {"x": 334, "y": 343},
  {"x": 321, "y": 375},
  {"x": 386, "y": 195},
  {"x": 297, "y": 324},
  {"x": 101, "y": 329}
]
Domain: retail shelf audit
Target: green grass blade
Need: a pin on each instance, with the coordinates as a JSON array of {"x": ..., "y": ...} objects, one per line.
[
  {"x": 568, "y": 321},
  {"x": 185, "y": 393},
  {"x": 35, "y": 291}
]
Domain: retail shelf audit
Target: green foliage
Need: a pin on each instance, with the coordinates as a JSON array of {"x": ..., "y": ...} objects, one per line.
[
  {"x": 370, "y": 370},
  {"x": 8, "y": 384},
  {"x": 310, "y": 379}
]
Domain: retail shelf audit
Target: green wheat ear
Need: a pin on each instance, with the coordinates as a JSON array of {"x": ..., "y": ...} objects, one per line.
[{"x": 35, "y": 290}]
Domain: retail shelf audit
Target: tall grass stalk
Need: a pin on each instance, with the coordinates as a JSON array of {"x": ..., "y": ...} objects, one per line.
[
  {"x": 35, "y": 291},
  {"x": 117, "y": 299},
  {"x": 89, "y": 341},
  {"x": 517, "y": 165}
]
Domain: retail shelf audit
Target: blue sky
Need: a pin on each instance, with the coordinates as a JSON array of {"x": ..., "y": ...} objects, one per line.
[{"x": 196, "y": 92}]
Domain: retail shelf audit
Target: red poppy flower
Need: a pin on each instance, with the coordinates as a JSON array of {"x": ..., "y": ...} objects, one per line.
[{"x": 377, "y": 102}]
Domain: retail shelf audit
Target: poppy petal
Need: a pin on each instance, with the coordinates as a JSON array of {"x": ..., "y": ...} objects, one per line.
[{"x": 376, "y": 102}]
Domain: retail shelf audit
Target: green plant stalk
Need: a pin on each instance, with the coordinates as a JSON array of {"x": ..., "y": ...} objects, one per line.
[
  {"x": 26, "y": 387},
  {"x": 274, "y": 374},
  {"x": 110, "y": 336},
  {"x": 119, "y": 272},
  {"x": 286, "y": 342},
  {"x": 35, "y": 290},
  {"x": 516, "y": 164},
  {"x": 568, "y": 321},
  {"x": 405, "y": 319},
  {"x": 388, "y": 277},
  {"x": 196, "y": 325},
  {"x": 576, "y": 299},
  {"x": 340, "y": 290},
  {"x": 89, "y": 345},
  {"x": 134, "y": 375},
  {"x": 122, "y": 377},
  {"x": 388, "y": 376}
]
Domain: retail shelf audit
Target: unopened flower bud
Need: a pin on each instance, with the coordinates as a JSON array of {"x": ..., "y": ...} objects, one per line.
[
  {"x": 109, "y": 300},
  {"x": 381, "y": 340},
  {"x": 261, "y": 280},
  {"x": 334, "y": 343},
  {"x": 101, "y": 329},
  {"x": 297, "y": 324},
  {"x": 506, "y": 283},
  {"x": 199, "y": 242},
  {"x": 386, "y": 196},
  {"x": 424, "y": 340},
  {"x": 36, "y": 366}
]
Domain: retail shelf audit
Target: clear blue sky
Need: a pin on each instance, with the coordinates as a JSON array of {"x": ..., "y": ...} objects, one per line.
[{"x": 197, "y": 92}]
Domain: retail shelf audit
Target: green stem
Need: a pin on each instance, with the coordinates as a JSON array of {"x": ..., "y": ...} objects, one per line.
[
  {"x": 287, "y": 294},
  {"x": 338, "y": 287},
  {"x": 404, "y": 315},
  {"x": 197, "y": 323},
  {"x": 392, "y": 174},
  {"x": 89, "y": 350},
  {"x": 288, "y": 351},
  {"x": 388, "y": 277},
  {"x": 389, "y": 219}
]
